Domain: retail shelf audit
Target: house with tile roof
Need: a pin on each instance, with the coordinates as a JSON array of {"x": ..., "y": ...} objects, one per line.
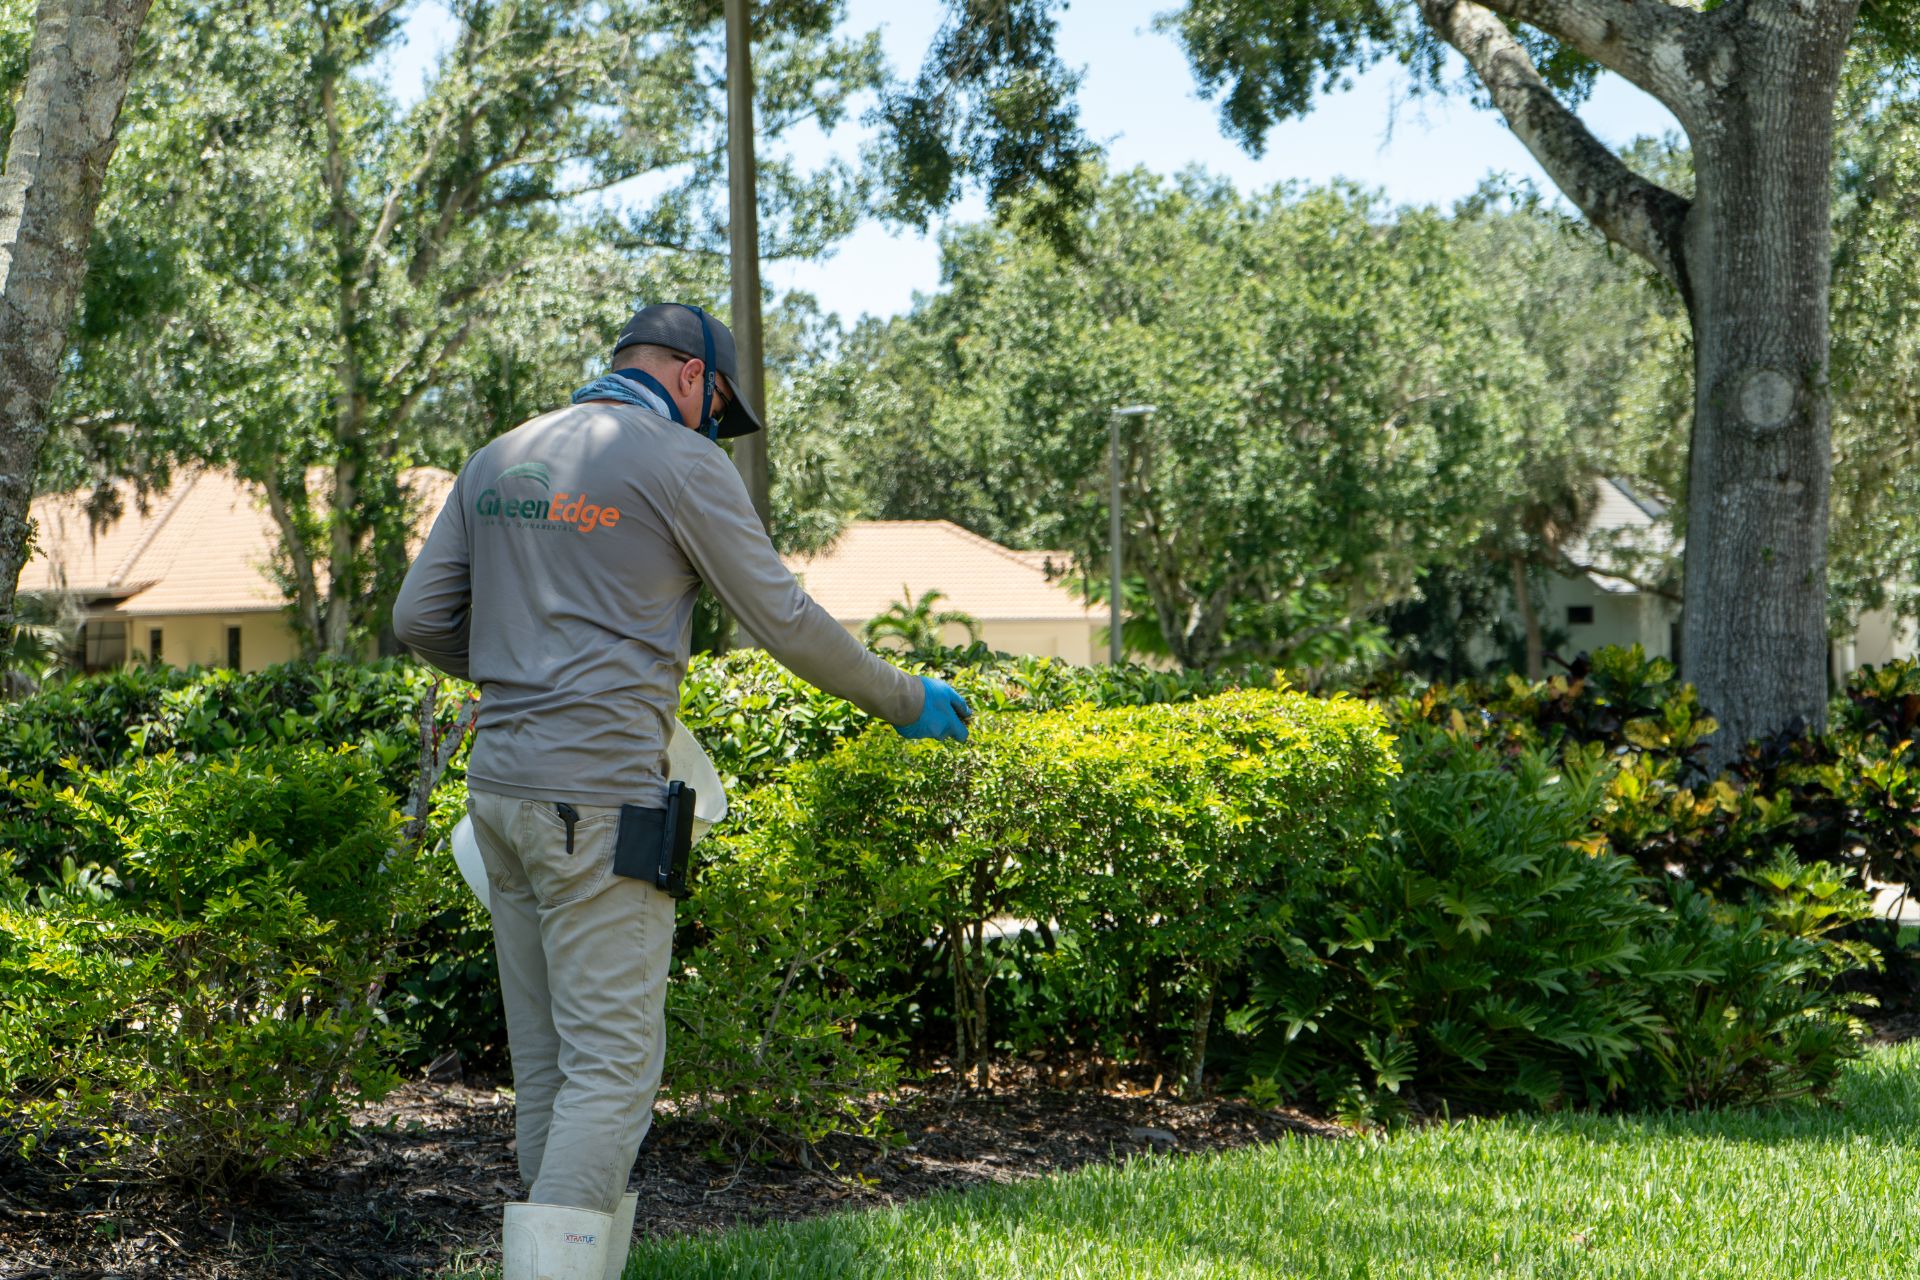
[
  {"x": 1018, "y": 597},
  {"x": 1629, "y": 527},
  {"x": 185, "y": 577}
]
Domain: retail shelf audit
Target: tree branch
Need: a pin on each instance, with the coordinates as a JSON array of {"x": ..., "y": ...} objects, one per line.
[
  {"x": 1644, "y": 40},
  {"x": 1628, "y": 209},
  {"x": 1566, "y": 564}
]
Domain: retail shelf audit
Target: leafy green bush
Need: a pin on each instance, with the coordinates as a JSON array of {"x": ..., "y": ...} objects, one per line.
[
  {"x": 1491, "y": 950},
  {"x": 1850, "y": 796},
  {"x": 97, "y": 722},
  {"x": 1774, "y": 1020},
  {"x": 1161, "y": 841},
  {"x": 213, "y": 1016},
  {"x": 756, "y": 719}
]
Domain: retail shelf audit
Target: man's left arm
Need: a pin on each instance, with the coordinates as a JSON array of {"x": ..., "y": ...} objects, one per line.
[{"x": 433, "y": 615}]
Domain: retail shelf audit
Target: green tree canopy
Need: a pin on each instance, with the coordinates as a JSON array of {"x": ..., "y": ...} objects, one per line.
[
  {"x": 1754, "y": 83},
  {"x": 1335, "y": 402},
  {"x": 298, "y": 276}
]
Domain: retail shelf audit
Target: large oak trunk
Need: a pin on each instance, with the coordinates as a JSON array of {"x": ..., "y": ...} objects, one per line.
[
  {"x": 63, "y": 137},
  {"x": 1757, "y": 265}
]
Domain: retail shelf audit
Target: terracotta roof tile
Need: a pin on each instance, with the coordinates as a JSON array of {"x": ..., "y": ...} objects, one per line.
[
  {"x": 875, "y": 563},
  {"x": 205, "y": 546}
]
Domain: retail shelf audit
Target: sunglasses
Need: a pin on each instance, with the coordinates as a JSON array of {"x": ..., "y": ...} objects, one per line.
[{"x": 723, "y": 394}]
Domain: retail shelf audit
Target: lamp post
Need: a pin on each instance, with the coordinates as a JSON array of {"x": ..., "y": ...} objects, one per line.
[{"x": 1115, "y": 533}]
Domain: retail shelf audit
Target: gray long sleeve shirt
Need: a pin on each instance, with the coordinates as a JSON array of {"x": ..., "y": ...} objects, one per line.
[{"x": 560, "y": 577}]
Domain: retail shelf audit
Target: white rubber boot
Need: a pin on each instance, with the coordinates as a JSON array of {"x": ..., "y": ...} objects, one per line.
[
  {"x": 620, "y": 1235},
  {"x": 555, "y": 1242}
]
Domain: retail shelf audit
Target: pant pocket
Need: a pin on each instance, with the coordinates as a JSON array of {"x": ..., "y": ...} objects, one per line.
[{"x": 559, "y": 875}]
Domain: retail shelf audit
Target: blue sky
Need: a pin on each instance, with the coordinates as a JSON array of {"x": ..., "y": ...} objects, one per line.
[{"x": 1139, "y": 99}]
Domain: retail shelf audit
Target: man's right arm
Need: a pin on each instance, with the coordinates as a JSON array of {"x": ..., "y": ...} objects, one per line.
[
  {"x": 433, "y": 615},
  {"x": 716, "y": 526}
]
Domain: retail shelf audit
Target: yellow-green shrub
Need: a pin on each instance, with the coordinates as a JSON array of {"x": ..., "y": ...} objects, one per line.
[{"x": 1164, "y": 840}]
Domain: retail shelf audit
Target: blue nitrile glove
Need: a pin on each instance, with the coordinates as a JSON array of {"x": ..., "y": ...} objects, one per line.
[{"x": 945, "y": 715}]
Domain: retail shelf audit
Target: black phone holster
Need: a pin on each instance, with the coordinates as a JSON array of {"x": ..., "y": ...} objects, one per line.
[{"x": 656, "y": 845}]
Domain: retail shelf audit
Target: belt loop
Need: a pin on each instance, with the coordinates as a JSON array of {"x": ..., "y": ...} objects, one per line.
[{"x": 569, "y": 815}]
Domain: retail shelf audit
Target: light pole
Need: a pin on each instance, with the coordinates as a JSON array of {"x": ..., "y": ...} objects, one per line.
[{"x": 1114, "y": 654}]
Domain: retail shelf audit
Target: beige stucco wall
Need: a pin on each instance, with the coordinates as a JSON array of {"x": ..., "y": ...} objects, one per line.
[
  {"x": 1881, "y": 638},
  {"x": 201, "y": 639},
  {"x": 1069, "y": 640}
]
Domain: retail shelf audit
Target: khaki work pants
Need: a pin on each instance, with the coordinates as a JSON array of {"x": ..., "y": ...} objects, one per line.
[{"x": 583, "y": 971}]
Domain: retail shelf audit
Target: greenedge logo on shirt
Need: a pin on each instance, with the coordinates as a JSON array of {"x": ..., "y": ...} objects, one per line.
[{"x": 559, "y": 511}]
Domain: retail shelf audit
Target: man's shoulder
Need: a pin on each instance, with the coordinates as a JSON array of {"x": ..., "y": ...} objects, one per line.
[{"x": 598, "y": 430}]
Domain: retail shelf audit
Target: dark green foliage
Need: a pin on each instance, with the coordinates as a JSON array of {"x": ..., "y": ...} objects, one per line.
[
  {"x": 1774, "y": 1022},
  {"x": 993, "y": 105},
  {"x": 1850, "y": 797},
  {"x": 1894, "y": 27},
  {"x": 215, "y": 1014},
  {"x": 1479, "y": 951},
  {"x": 1492, "y": 951},
  {"x": 105, "y": 720},
  {"x": 1273, "y": 60}
]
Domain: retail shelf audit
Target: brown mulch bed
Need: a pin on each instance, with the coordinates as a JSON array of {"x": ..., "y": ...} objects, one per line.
[
  {"x": 417, "y": 1190},
  {"x": 1897, "y": 1026}
]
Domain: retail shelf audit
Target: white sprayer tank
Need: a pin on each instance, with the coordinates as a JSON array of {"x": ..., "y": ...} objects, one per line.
[{"x": 686, "y": 762}]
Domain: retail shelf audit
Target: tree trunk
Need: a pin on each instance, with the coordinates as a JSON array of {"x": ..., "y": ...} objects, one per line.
[
  {"x": 1754, "y": 83},
  {"x": 343, "y": 571},
  {"x": 964, "y": 1045},
  {"x": 1754, "y": 632},
  {"x": 1202, "y": 1020},
  {"x": 349, "y": 417},
  {"x": 63, "y": 136},
  {"x": 1529, "y": 621},
  {"x": 306, "y": 591}
]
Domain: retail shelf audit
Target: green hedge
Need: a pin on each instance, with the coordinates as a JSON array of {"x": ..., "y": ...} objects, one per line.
[
  {"x": 753, "y": 717},
  {"x": 212, "y": 1011},
  {"x": 756, "y": 719},
  {"x": 1165, "y": 841},
  {"x": 99, "y": 722}
]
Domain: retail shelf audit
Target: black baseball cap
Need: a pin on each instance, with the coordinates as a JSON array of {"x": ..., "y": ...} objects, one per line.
[{"x": 691, "y": 331}]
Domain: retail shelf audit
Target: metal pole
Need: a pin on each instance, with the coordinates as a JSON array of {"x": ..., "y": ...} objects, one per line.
[
  {"x": 749, "y": 452},
  {"x": 1114, "y": 654}
]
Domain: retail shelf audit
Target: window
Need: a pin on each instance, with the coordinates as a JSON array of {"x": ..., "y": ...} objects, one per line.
[
  {"x": 233, "y": 648},
  {"x": 154, "y": 653},
  {"x": 103, "y": 645},
  {"x": 1579, "y": 615}
]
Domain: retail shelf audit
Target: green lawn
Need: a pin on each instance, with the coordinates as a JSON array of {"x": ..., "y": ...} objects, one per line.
[{"x": 1800, "y": 1192}]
